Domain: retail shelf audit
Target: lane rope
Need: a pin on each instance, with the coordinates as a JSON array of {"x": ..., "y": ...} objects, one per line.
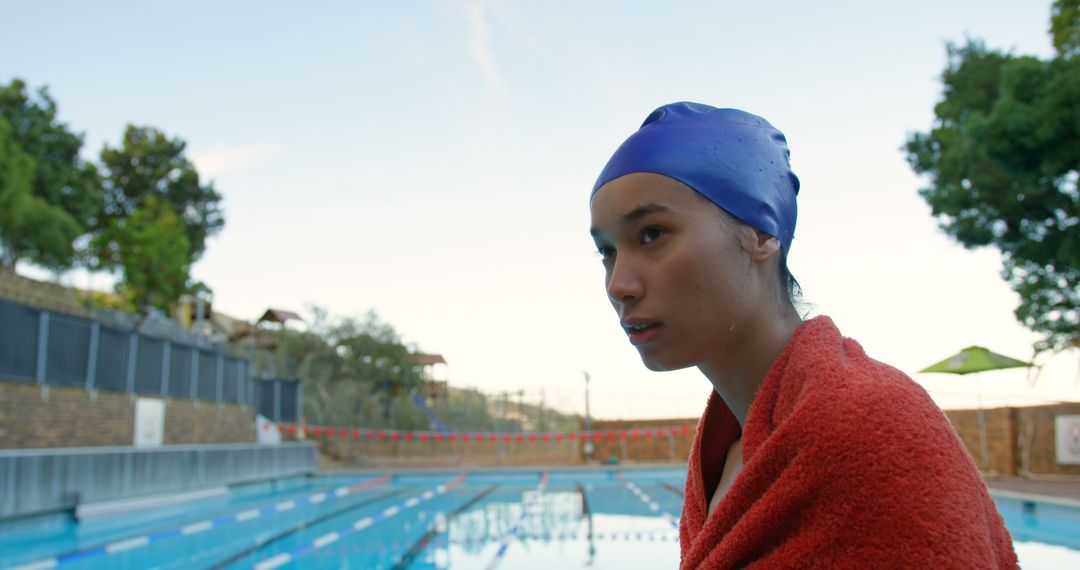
[
  {"x": 334, "y": 536},
  {"x": 653, "y": 505},
  {"x": 139, "y": 541},
  {"x": 515, "y": 532}
]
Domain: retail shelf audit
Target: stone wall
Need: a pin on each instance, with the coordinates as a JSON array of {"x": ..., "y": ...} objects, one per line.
[
  {"x": 42, "y": 295},
  {"x": 34, "y": 417}
]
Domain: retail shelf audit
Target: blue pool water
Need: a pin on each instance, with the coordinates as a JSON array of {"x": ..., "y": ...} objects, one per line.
[{"x": 586, "y": 518}]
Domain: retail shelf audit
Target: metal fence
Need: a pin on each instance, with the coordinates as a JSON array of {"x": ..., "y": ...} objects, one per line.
[
  {"x": 279, "y": 399},
  {"x": 43, "y": 480},
  {"x": 47, "y": 348}
]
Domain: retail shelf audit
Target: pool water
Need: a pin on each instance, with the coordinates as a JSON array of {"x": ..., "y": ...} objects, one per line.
[{"x": 583, "y": 518}]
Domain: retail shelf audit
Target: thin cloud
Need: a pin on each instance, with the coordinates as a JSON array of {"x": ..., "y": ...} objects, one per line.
[
  {"x": 480, "y": 43},
  {"x": 220, "y": 160}
]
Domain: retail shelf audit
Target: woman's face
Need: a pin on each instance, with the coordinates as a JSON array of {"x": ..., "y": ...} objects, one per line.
[{"x": 677, "y": 269}]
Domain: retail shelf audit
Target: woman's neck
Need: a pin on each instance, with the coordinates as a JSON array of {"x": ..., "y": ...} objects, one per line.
[{"x": 737, "y": 374}]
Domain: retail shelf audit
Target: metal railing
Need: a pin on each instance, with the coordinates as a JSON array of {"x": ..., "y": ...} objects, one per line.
[{"x": 46, "y": 480}]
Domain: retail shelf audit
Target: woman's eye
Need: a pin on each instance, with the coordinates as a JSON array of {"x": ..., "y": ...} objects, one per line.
[{"x": 650, "y": 234}]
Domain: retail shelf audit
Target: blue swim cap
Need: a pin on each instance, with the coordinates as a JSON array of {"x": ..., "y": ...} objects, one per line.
[{"x": 737, "y": 160}]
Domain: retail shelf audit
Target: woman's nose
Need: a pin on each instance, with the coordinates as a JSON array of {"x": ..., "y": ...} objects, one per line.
[{"x": 624, "y": 284}]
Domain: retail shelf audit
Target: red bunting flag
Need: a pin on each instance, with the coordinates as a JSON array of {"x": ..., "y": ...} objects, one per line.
[{"x": 424, "y": 436}]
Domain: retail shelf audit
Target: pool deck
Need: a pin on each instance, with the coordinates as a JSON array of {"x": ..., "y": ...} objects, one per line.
[{"x": 1065, "y": 491}]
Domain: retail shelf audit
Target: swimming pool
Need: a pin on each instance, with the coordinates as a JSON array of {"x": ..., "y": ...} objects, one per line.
[{"x": 565, "y": 518}]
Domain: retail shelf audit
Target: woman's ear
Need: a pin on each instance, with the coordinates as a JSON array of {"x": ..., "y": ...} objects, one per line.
[{"x": 764, "y": 247}]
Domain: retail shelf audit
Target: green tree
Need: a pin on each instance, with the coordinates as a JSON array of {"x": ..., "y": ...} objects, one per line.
[
  {"x": 149, "y": 163},
  {"x": 1002, "y": 159},
  {"x": 355, "y": 372},
  {"x": 65, "y": 194},
  {"x": 151, "y": 249}
]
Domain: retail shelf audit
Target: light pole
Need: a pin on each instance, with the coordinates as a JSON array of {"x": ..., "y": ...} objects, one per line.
[{"x": 587, "y": 447}]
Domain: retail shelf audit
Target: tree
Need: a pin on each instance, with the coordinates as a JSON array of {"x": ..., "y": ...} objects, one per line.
[
  {"x": 64, "y": 194},
  {"x": 152, "y": 250},
  {"x": 29, "y": 226},
  {"x": 149, "y": 163},
  {"x": 1002, "y": 159}
]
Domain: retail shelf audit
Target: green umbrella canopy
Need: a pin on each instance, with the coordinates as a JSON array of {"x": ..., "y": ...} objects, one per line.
[{"x": 975, "y": 359}]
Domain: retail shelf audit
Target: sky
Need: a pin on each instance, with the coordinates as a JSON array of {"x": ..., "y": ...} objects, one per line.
[{"x": 432, "y": 161}]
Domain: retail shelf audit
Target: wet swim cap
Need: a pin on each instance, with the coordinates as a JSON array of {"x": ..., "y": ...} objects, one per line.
[{"x": 737, "y": 160}]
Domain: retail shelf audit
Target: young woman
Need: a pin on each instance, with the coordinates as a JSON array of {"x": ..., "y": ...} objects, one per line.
[{"x": 809, "y": 453}]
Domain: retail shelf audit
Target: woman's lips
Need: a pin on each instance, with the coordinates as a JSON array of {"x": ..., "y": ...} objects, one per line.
[
  {"x": 638, "y": 338},
  {"x": 640, "y": 331}
]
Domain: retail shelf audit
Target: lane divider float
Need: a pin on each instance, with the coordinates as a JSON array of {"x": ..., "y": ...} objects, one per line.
[
  {"x": 334, "y": 536},
  {"x": 653, "y": 505},
  {"x": 368, "y": 434},
  {"x": 515, "y": 532},
  {"x": 134, "y": 542}
]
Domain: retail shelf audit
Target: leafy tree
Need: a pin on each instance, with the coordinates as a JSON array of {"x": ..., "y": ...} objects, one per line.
[
  {"x": 152, "y": 250},
  {"x": 61, "y": 203},
  {"x": 149, "y": 163},
  {"x": 354, "y": 372},
  {"x": 1002, "y": 159}
]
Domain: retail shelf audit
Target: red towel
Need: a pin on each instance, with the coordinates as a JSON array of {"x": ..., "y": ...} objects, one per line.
[{"x": 847, "y": 463}]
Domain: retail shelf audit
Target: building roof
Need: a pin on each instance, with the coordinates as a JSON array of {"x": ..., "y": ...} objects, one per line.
[
  {"x": 279, "y": 316},
  {"x": 428, "y": 359}
]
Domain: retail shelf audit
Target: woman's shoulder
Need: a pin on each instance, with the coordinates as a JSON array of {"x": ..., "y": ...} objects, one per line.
[{"x": 833, "y": 377}]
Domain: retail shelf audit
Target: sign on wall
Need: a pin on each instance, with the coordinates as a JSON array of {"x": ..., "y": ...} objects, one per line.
[
  {"x": 1067, "y": 432},
  {"x": 266, "y": 431},
  {"x": 149, "y": 422}
]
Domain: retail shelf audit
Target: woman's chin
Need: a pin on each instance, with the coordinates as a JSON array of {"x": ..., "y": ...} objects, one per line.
[{"x": 656, "y": 363}]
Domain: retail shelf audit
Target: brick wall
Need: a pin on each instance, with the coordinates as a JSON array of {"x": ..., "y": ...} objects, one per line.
[
  {"x": 1000, "y": 438},
  {"x": 645, "y": 449},
  {"x": 1020, "y": 441},
  {"x": 73, "y": 417},
  {"x": 416, "y": 454},
  {"x": 1037, "y": 441}
]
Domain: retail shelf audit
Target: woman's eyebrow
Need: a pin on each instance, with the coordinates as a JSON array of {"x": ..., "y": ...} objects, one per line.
[{"x": 635, "y": 215}]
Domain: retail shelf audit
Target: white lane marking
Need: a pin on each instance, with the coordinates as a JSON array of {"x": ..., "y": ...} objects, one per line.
[
  {"x": 197, "y": 527},
  {"x": 285, "y": 506},
  {"x": 316, "y": 499},
  {"x": 273, "y": 562},
  {"x": 127, "y": 544},
  {"x": 325, "y": 539},
  {"x": 39, "y": 565},
  {"x": 247, "y": 515}
]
